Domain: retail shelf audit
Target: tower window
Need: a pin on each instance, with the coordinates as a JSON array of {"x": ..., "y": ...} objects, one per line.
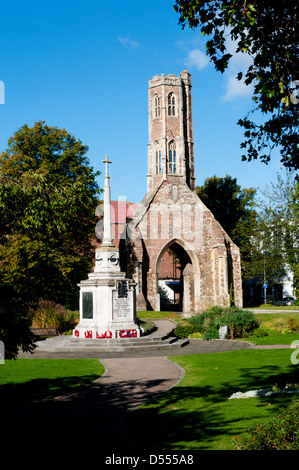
[
  {"x": 171, "y": 104},
  {"x": 157, "y": 106},
  {"x": 158, "y": 162},
  {"x": 172, "y": 158}
]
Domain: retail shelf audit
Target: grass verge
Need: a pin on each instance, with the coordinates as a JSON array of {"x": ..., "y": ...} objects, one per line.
[
  {"x": 197, "y": 414},
  {"x": 152, "y": 314},
  {"x": 275, "y": 307},
  {"x": 285, "y": 339}
]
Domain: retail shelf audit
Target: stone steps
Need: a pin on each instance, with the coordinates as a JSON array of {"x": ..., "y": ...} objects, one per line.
[{"x": 70, "y": 344}]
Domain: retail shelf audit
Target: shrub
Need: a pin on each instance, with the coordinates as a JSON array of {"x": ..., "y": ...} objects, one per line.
[
  {"x": 147, "y": 326},
  {"x": 48, "y": 314},
  {"x": 212, "y": 332},
  {"x": 240, "y": 323},
  {"x": 293, "y": 324},
  {"x": 281, "y": 433},
  {"x": 260, "y": 331},
  {"x": 184, "y": 330},
  {"x": 197, "y": 335}
]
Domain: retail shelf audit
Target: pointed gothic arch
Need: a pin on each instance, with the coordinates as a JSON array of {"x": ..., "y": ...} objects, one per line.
[{"x": 186, "y": 284}]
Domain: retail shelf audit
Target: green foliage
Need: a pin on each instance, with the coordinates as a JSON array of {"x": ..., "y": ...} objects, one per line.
[
  {"x": 212, "y": 332},
  {"x": 275, "y": 239},
  {"x": 280, "y": 433},
  {"x": 48, "y": 195},
  {"x": 48, "y": 314},
  {"x": 293, "y": 324},
  {"x": 46, "y": 150},
  {"x": 279, "y": 326},
  {"x": 184, "y": 330},
  {"x": 147, "y": 326},
  {"x": 239, "y": 322},
  {"x": 231, "y": 205},
  {"x": 14, "y": 323},
  {"x": 267, "y": 33},
  {"x": 261, "y": 331}
]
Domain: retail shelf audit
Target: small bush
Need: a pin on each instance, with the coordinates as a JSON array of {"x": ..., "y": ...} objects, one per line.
[
  {"x": 147, "y": 326},
  {"x": 293, "y": 324},
  {"x": 240, "y": 323},
  {"x": 184, "y": 330},
  {"x": 196, "y": 335},
  {"x": 281, "y": 433},
  {"x": 48, "y": 314},
  {"x": 260, "y": 332}
]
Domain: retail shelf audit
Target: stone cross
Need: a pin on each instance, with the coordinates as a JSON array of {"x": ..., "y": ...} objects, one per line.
[
  {"x": 106, "y": 161},
  {"x": 107, "y": 240}
]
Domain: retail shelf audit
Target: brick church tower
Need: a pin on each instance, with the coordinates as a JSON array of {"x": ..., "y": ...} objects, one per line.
[
  {"x": 172, "y": 221},
  {"x": 170, "y": 148}
]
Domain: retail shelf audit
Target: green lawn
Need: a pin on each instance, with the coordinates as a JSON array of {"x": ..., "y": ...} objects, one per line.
[
  {"x": 275, "y": 319},
  {"x": 197, "y": 414},
  {"x": 266, "y": 317},
  {"x": 285, "y": 339},
  {"x": 275, "y": 307},
  {"x": 152, "y": 314},
  {"x": 31, "y": 378}
]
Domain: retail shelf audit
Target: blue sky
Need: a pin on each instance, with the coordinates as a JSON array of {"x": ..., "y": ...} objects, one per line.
[{"x": 84, "y": 66}]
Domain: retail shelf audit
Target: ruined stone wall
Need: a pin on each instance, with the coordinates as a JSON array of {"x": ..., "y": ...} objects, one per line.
[{"x": 186, "y": 221}]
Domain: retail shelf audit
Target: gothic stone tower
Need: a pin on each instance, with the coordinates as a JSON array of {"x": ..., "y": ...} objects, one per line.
[
  {"x": 170, "y": 148},
  {"x": 171, "y": 217}
]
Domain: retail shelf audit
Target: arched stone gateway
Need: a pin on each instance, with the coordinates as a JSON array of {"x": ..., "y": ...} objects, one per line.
[
  {"x": 172, "y": 221},
  {"x": 182, "y": 282}
]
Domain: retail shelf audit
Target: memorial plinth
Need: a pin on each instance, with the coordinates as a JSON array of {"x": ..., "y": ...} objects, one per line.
[{"x": 107, "y": 297}]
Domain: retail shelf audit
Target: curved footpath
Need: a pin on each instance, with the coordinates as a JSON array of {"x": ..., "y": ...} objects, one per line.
[{"x": 94, "y": 416}]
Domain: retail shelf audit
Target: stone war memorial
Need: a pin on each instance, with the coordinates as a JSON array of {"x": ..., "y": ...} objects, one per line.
[
  {"x": 107, "y": 297},
  {"x": 172, "y": 225}
]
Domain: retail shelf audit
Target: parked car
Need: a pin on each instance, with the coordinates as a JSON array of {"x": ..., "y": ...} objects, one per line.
[{"x": 285, "y": 301}]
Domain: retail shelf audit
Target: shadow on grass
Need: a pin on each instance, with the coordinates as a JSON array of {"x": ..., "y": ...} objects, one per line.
[
  {"x": 41, "y": 388},
  {"x": 191, "y": 417},
  {"x": 91, "y": 416}
]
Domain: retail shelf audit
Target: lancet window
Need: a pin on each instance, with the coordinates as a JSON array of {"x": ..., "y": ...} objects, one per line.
[
  {"x": 157, "y": 106},
  {"x": 158, "y": 162},
  {"x": 171, "y": 104},
  {"x": 172, "y": 158}
]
